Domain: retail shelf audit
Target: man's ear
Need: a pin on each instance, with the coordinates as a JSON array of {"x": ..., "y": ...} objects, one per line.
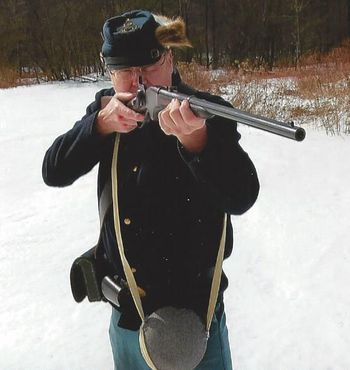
[{"x": 170, "y": 59}]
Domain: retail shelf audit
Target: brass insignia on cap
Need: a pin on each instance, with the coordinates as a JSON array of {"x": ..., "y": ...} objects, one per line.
[{"x": 128, "y": 26}]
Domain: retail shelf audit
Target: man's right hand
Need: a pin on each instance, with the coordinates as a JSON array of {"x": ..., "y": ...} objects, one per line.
[{"x": 115, "y": 116}]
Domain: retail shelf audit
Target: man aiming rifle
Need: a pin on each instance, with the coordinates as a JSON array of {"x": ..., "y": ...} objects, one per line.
[{"x": 164, "y": 191}]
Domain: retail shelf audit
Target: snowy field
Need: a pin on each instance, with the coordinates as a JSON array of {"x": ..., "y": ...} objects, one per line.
[{"x": 288, "y": 303}]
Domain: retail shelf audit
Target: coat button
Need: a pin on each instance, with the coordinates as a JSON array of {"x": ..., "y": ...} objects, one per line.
[
  {"x": 135, "y": 169},
  {"x": 127, "y": 221}
]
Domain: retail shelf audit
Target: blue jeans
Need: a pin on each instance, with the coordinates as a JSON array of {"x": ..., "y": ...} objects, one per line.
[{"x": 127, "y": 354}]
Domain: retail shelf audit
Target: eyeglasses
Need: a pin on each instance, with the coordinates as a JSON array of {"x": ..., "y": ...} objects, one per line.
[{"x": 145, "y": 71}]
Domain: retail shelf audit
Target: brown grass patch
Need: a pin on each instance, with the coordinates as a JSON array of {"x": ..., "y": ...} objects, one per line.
[{"x": 8, "y": 77}]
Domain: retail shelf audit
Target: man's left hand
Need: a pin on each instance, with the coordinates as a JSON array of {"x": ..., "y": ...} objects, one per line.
[{"x": 179, "y": 120}]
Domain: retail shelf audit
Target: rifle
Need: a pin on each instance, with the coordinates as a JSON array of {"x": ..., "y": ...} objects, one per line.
[{"x": 153, "y": 99}]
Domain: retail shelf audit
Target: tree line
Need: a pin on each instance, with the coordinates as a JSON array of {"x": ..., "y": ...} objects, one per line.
[{"x": 61, "y": 39}]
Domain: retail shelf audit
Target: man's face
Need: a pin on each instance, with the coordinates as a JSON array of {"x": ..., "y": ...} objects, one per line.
[{"x": 157, "y": 74}]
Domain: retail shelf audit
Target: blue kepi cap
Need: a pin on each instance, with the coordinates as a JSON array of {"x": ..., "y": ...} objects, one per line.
[{"x": 129, "y": 40}]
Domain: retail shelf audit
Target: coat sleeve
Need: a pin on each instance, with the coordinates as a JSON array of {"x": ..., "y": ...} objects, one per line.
[
  {"x": 76, "y": 152},
  {"x": 224, "y": 171}
]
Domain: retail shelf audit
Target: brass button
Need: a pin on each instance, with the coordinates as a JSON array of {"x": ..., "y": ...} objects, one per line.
[
  {"x": 135, "y": 169},
  {"x": 133, "y": 270},
  {"x": 127, "y": 221},
  {"x": 141, "y": 292}
]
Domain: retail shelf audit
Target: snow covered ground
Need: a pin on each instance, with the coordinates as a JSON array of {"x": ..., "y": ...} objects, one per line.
[{"x": 288, "y": 303}]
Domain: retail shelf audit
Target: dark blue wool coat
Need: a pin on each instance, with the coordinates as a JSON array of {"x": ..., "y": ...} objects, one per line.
[{"x": 171, "y": 202}]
